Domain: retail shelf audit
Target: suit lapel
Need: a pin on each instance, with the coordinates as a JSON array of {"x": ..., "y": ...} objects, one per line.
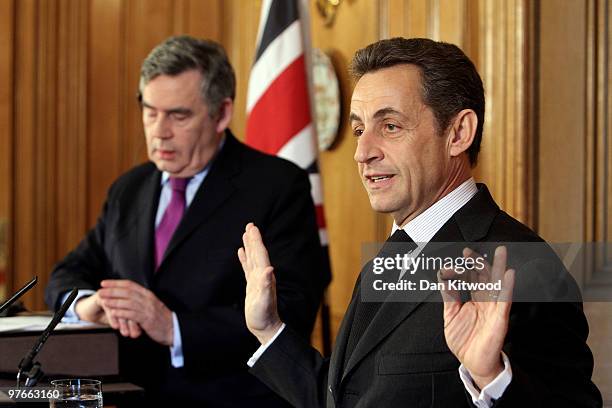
[
  {"x": 471, "y": 223},
  {"x": 337, "y": 357},
  {"x": 216, "y": 188},
  {"x": 147, "y": 202}
]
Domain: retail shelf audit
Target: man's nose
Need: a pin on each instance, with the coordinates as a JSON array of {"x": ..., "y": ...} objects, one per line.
[
  {"x": 368, "y": 148},
  {"x": 161, "y": 128}
]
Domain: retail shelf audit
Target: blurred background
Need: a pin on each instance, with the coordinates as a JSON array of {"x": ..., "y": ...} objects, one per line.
[{"x": 70, "y": 123}]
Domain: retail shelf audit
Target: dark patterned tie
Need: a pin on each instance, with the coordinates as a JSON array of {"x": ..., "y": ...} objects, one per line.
[
  {"x": 365, "y": 311},
  {"x": 171, "y": 218}
]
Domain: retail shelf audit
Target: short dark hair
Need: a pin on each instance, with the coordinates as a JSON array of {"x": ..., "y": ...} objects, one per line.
[
  {"x": 183, "y": 53},
  {"x": 450, "y": 82}
]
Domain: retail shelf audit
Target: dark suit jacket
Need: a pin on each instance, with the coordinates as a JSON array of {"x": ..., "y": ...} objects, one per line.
[
  {"x": 200, "y": 277},
  {"x": 402, "y": 359}
]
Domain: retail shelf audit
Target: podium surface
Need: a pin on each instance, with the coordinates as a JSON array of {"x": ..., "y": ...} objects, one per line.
[{"x": 72, "y": 351}]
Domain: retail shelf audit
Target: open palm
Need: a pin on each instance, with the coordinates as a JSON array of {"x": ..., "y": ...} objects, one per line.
[
  {"x": 475, "y": 330},
  {"x": 260, "y": 305}
]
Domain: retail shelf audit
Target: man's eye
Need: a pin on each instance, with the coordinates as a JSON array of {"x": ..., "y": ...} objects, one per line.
[
  {"x": 357, "y": 132},
  {"x": 390, "y": 127},
  {"x": 179, "y": 116}
]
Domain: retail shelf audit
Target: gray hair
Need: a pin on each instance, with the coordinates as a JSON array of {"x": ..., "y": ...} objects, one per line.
[{"x": 183, "y": 53}]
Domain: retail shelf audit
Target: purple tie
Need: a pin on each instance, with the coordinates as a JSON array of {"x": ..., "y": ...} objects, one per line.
[{"x": 171, "y": 218}]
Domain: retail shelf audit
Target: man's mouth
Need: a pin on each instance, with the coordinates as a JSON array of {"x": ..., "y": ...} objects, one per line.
[
  {"x": 377, "y": 179},
  {"x": 165, "y": 154}
]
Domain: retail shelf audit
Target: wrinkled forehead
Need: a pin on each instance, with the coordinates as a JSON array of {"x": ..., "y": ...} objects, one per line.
[
  {"x": 174, "y": 89},
  {"x": 397, "y": 88}
]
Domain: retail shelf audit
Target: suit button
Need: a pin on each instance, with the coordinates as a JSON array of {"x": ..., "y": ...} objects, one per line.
[{"x": 330, "y": 390}]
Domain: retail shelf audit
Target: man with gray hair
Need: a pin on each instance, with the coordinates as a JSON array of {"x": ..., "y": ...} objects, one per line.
[{"x": 160, "y": 266}]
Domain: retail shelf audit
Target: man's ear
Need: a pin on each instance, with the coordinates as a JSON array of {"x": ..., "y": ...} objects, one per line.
[
  {"x": 462, "y": 132},
  {"x": 224, "y": 116}
]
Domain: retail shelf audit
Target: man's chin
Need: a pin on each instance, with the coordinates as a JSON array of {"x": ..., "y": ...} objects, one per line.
[
  {"x": 381, "y": 206},
  {"x": 165, "y": 167},
  {"x": 162, "y": 166}
]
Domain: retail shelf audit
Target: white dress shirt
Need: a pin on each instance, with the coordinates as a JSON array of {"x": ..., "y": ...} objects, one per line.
[{"x": 422, "y": 229}]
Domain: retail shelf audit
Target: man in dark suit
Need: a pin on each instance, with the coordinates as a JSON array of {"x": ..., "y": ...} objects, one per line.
[
  {"x": 160, "y": 265},
  {"x": 417, "y": 112}
]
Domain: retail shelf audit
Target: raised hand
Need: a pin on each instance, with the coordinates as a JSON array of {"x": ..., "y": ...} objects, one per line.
[
  {"x": 260, "y": 307},
  {"x": 475, "y": 330}
]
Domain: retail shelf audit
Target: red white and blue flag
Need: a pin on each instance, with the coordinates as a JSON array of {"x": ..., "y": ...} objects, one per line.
[{"x": 279, "y": 119}]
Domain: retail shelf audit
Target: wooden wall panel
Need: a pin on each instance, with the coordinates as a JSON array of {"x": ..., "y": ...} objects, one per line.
[
  {"x": 509, "y": 137},
  {"x": 410, "y": 18},
  {"x": 70, "y": 120},
  {"x": 48, "y": 137},
  {"x": 450, "y": 25},
  {"x": 106, "y": 100},
  {"x": 204, "y": 18},
  {"x": 44, "y": 146},
  {"x": 7, "y": 8},
  {"x": 26, "y": 238},
  {"x": 239, "y": 31},
  {"x": 562, "y": 121},
  {"x": 598, "y": 215},
  {"x": 440, "y": 20}
]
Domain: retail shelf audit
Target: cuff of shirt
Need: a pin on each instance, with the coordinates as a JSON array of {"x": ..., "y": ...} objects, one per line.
[
  {"x": 493, "y": 391},
  {"x": 264, "y": 347},
  {"x": 71, "y": 315},
  {"x": 176, "y": 350}
]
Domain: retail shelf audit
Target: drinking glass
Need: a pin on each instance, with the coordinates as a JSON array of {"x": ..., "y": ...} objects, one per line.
[{"x": 76, "y": 393}]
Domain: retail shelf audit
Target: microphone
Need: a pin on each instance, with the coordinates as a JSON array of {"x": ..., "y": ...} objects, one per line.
[
  {"x": 27, "y": 365},
  {"x": 19, "y": 294}
]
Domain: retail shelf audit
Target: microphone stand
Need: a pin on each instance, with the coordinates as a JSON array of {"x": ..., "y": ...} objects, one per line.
[
  {"x": 27, "y": 366},
  {"x": 19, "y": 294}
]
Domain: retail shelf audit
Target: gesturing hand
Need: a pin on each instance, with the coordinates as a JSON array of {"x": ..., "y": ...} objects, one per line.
[
  {"x": 132, "y": 307},
  {"x": 91, "y": 309},
  {"x": 260, "y": 308},
  {"x": 475, "y": 331}
]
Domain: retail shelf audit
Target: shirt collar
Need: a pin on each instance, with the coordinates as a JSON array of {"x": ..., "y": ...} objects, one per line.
[{"x": 424, "y": 226}]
